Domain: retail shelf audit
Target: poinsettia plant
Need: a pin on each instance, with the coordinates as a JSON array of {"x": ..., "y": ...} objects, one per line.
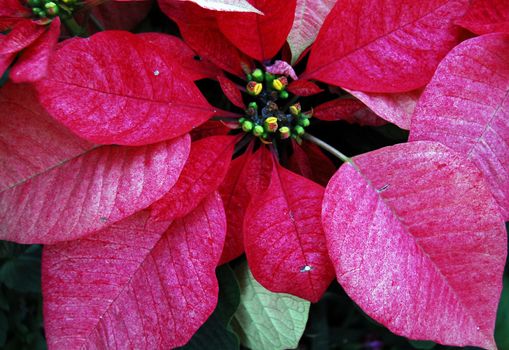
[{"x": 143, "y": 161}]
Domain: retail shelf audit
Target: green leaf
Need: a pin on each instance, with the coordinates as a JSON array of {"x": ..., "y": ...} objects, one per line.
[
  {"x": 216, "y": 333},
  {"x": 502, "y": 325},
  {"x": 23, "y": 272},
  {"x": 267, "y": 320}
]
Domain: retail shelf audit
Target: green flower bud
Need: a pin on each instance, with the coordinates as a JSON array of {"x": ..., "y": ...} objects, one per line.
[
  {"x": 304, "y": 122},
  {"x": 51, "y": 9},
  {"x": 283, "y": 94},
  {"x": 253, "y": 105},
  {"x": 249, "y": 77},
  {"x": 299, "y": 130},
  {"x": 257, "y": 75},
  {"x": 247, "y": 125},
  {"x": 242, "y": 120},
  {"x": 258, "y": 130}
]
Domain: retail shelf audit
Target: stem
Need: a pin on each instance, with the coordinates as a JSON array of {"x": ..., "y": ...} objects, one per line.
[
  {"x": 73, "y": 26},
  {"x": 328, "y": 148}
]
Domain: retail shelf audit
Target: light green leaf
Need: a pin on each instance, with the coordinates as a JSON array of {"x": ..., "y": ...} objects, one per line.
[
  {"x": 267, "y": 320},
  {"x": 227, "y": 5}
]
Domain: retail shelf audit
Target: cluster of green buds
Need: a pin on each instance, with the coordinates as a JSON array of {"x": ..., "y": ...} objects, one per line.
[
  {"x": 51, "y": 8},
  {"x": 260, "y": 82},
  {"x": 269, "y": 123}
]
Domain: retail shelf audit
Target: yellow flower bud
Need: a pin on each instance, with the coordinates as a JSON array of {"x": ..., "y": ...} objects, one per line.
[
  {"x": 254, "y": 88},
  {"x": 271, "y": 124}
]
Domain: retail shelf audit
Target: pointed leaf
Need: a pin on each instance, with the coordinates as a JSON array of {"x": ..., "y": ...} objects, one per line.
[
  {"x": 196, "y": 68},
  {"x": 304, "y": 88},
  {"x": 231, "y": 91},
  {"x": 89, "y": 192},
  {"x": 284, "y": 243},
  {"x": 380, "y": 46},
  {"x": 396, "y": 108},
  {"x": 309, "y": 17},
  {"x": 91, "y": 90},
  {"x": 486, "y": 16},
  {"x": 33, "y": 62},
  {"x": 259, "y": 36},
  {"x": 201, "y": 32},
  {"x": 466, "y": 107},
  {"x": 135, "y": 284},
  {"x": 349, "y": 110},
  {"x": 418, "y": 242},
  {"x": 203, "y": 173},
  {"x": 226, "y": 5},
  {"x": 249, "y": 175},
  {"x": 236, "y": 198},
  {"x": 31, "y": 140},
  {"x": 266, "y": 320},
  {"x": 216, "y": 333}
]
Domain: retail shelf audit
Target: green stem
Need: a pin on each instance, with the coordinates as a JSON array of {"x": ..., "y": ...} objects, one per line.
[
  {"x": 328, "y": 148},
  {"x": 73, "y": 26}
]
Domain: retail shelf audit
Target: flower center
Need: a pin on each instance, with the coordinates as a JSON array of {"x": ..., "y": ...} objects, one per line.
[
  {"x": 264, "y": 117},
  {"x": 48, "y": 9}
]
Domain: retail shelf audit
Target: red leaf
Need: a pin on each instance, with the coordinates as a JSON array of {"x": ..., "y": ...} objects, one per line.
[
  {"x": 203, "y": 173},
  {"x": 33, "y": 63},
  {"x": 135, "y": 284},
  {"x": 466, "y": 107},
  {"x": 182, "y": 55},
  {"x": 22, "y": 35},
  {"x": 31, "y": 140},
  {"x": 284, "y": 242},
  {"x": 310, "y": 162},
  {"x": 236, "y": 198},
  {"x": 348, "y": 110},
  {"x": 486, "y": 16},
  {"x": 309, "y": 17},
  {"x": 209, "y": 128},
  {"x": 304, "y": 88},
  {"x": 231, "y": 91},
  {"x": 200, "y": 31},
  {"x": 89, "y": 192},
  {"x": 259, "y": 171},
  {"x": 395, "y": 108},
  {"x": 248, "y": 176},
  {"x": 418, "y": 243},
  {"x": 379, "y": 46},
  {"x": 124, "y": 15},
  {"x": 259, "y": 36},
  {"x": 92, "y": 91}
]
